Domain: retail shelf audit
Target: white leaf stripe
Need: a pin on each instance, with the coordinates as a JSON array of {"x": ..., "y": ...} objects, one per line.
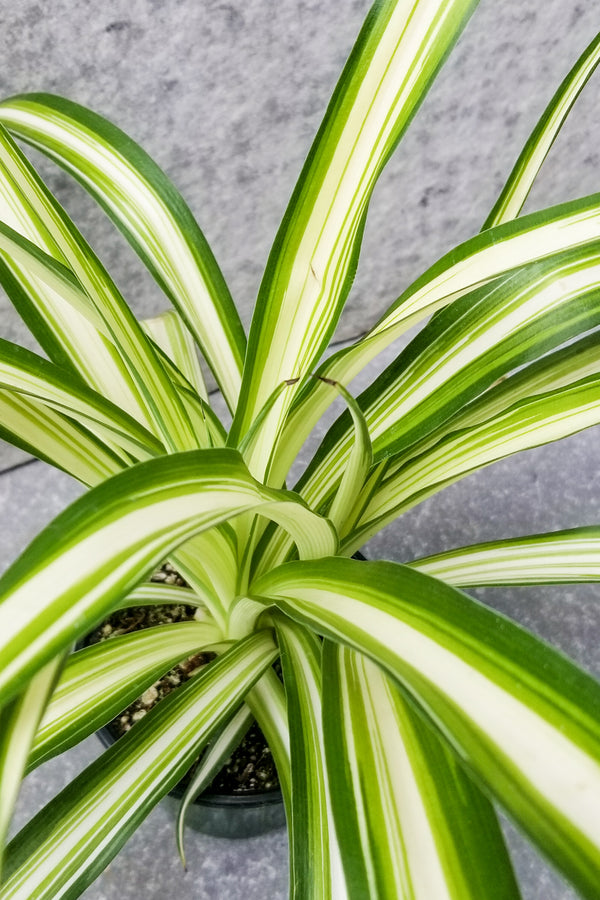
[
  {"x": 486, "y": 256},
  {"x": 529, "y": 423},
  {"x": 396, "y": 793},
  {"x": 79, "y": 567},
  {"x": 519, "y": 182},
  {"x": 98, "y": 682},
  {"x": 311, "y": 265},
  {"x": 554, "y": 558},
  {"x": 118, "y": 790},
  {"x": 520, "y": 713},
  {"x": 150, "y": 213}
]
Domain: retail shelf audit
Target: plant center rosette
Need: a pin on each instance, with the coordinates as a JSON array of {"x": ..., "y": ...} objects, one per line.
[{"x": 247, "y": 780}]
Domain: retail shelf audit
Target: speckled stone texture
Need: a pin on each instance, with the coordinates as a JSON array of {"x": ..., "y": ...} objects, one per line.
[{"x": 228, "y": 96}]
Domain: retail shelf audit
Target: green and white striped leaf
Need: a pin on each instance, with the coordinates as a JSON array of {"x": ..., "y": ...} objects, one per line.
[
  {"x": 159, "y": 594},
  {"x": 521, "y": 715},
  {"x": 25, "y": 372},
  {"x": 169, "y": 331},
  {"x": 312, "y": 263},
  {"x": 463, "y": 351},
  {"x": 519, "y": 182},
  {"x": 563, "y": 368},
  {"x": 50, "y": 436},
  {"x": 256, "y": 446},
  {"x": 100, "y": 681},
  {"x": 62, "y": 329},
  {"x": 358, "y": 464},
  {"x": 268, "y": 704},
  {"x": 212, "y": 761},
  {"x": 100, "y": 809},
  {"x": 482, "y": 339},
  {"x": 19, "y": 720},
  {"x": 149, "y": 211},
  {"x": 208, "y": 562},
  {"x": 89, "y": 557},
  {"x": 177, "y": 351},
  {"x": 53, "y": 274},
  {"x": 276, "y": 547},
  {"x": 316, "y": 867},
  {"x": 33, "y": 212},
  {"x": 559, "y": 557},
  {"x": 528, "y": 423},
  {"x": 479, "y": 260},
  {"x": 411, "y": 824}
]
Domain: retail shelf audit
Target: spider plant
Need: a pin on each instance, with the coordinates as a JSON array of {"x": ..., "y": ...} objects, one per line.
[{"x": 405, "y": 707}]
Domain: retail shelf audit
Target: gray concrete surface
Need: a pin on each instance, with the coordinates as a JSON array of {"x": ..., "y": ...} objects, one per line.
[{"x": 227, "y": 97}]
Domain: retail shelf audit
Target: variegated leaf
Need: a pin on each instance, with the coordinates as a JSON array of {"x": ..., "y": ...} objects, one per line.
[
  {"x": 519, "y": 713},
  {"x": 100, "y": 809},
  {"x": 149, "y": 211},
  {"x": 422, "y": 827}
]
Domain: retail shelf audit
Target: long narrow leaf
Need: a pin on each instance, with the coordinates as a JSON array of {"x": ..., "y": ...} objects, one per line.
[
  {"x": 310, "y": 269},
  {"x": 559, "y": 557},
  {"x": 158, "y": 594},
  {"x": 519, "y": 182},
  {"x": 463, "y": 351},
  {"x": 27, "y": 373},
  {"x": 566, "y": 367},
  {"x": 479, "y": 260},
  {"x": 208, "y": 564},
  {"x": 170, "y": 333},
  {"x": 357, "y": 468},
  {"x": 268, "y": 704},
  {"x": 519, "y": 713},
  {"x": 149, "y": 211},
  {"x": 131, "y": 364},
  {"x": 118, "y": 791},
  {"x": 316, "y": 869},
  {"x": 529, "y": 423},
  {"x": 423, "y": 828},
  {"x": 209, "y": 766},
  {"x": 19, "y": 720},
  {"x": 53, "y": 437}
]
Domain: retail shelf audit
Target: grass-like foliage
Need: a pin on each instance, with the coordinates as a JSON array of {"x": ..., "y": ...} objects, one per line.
[{"x": 405, "y": 707}]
